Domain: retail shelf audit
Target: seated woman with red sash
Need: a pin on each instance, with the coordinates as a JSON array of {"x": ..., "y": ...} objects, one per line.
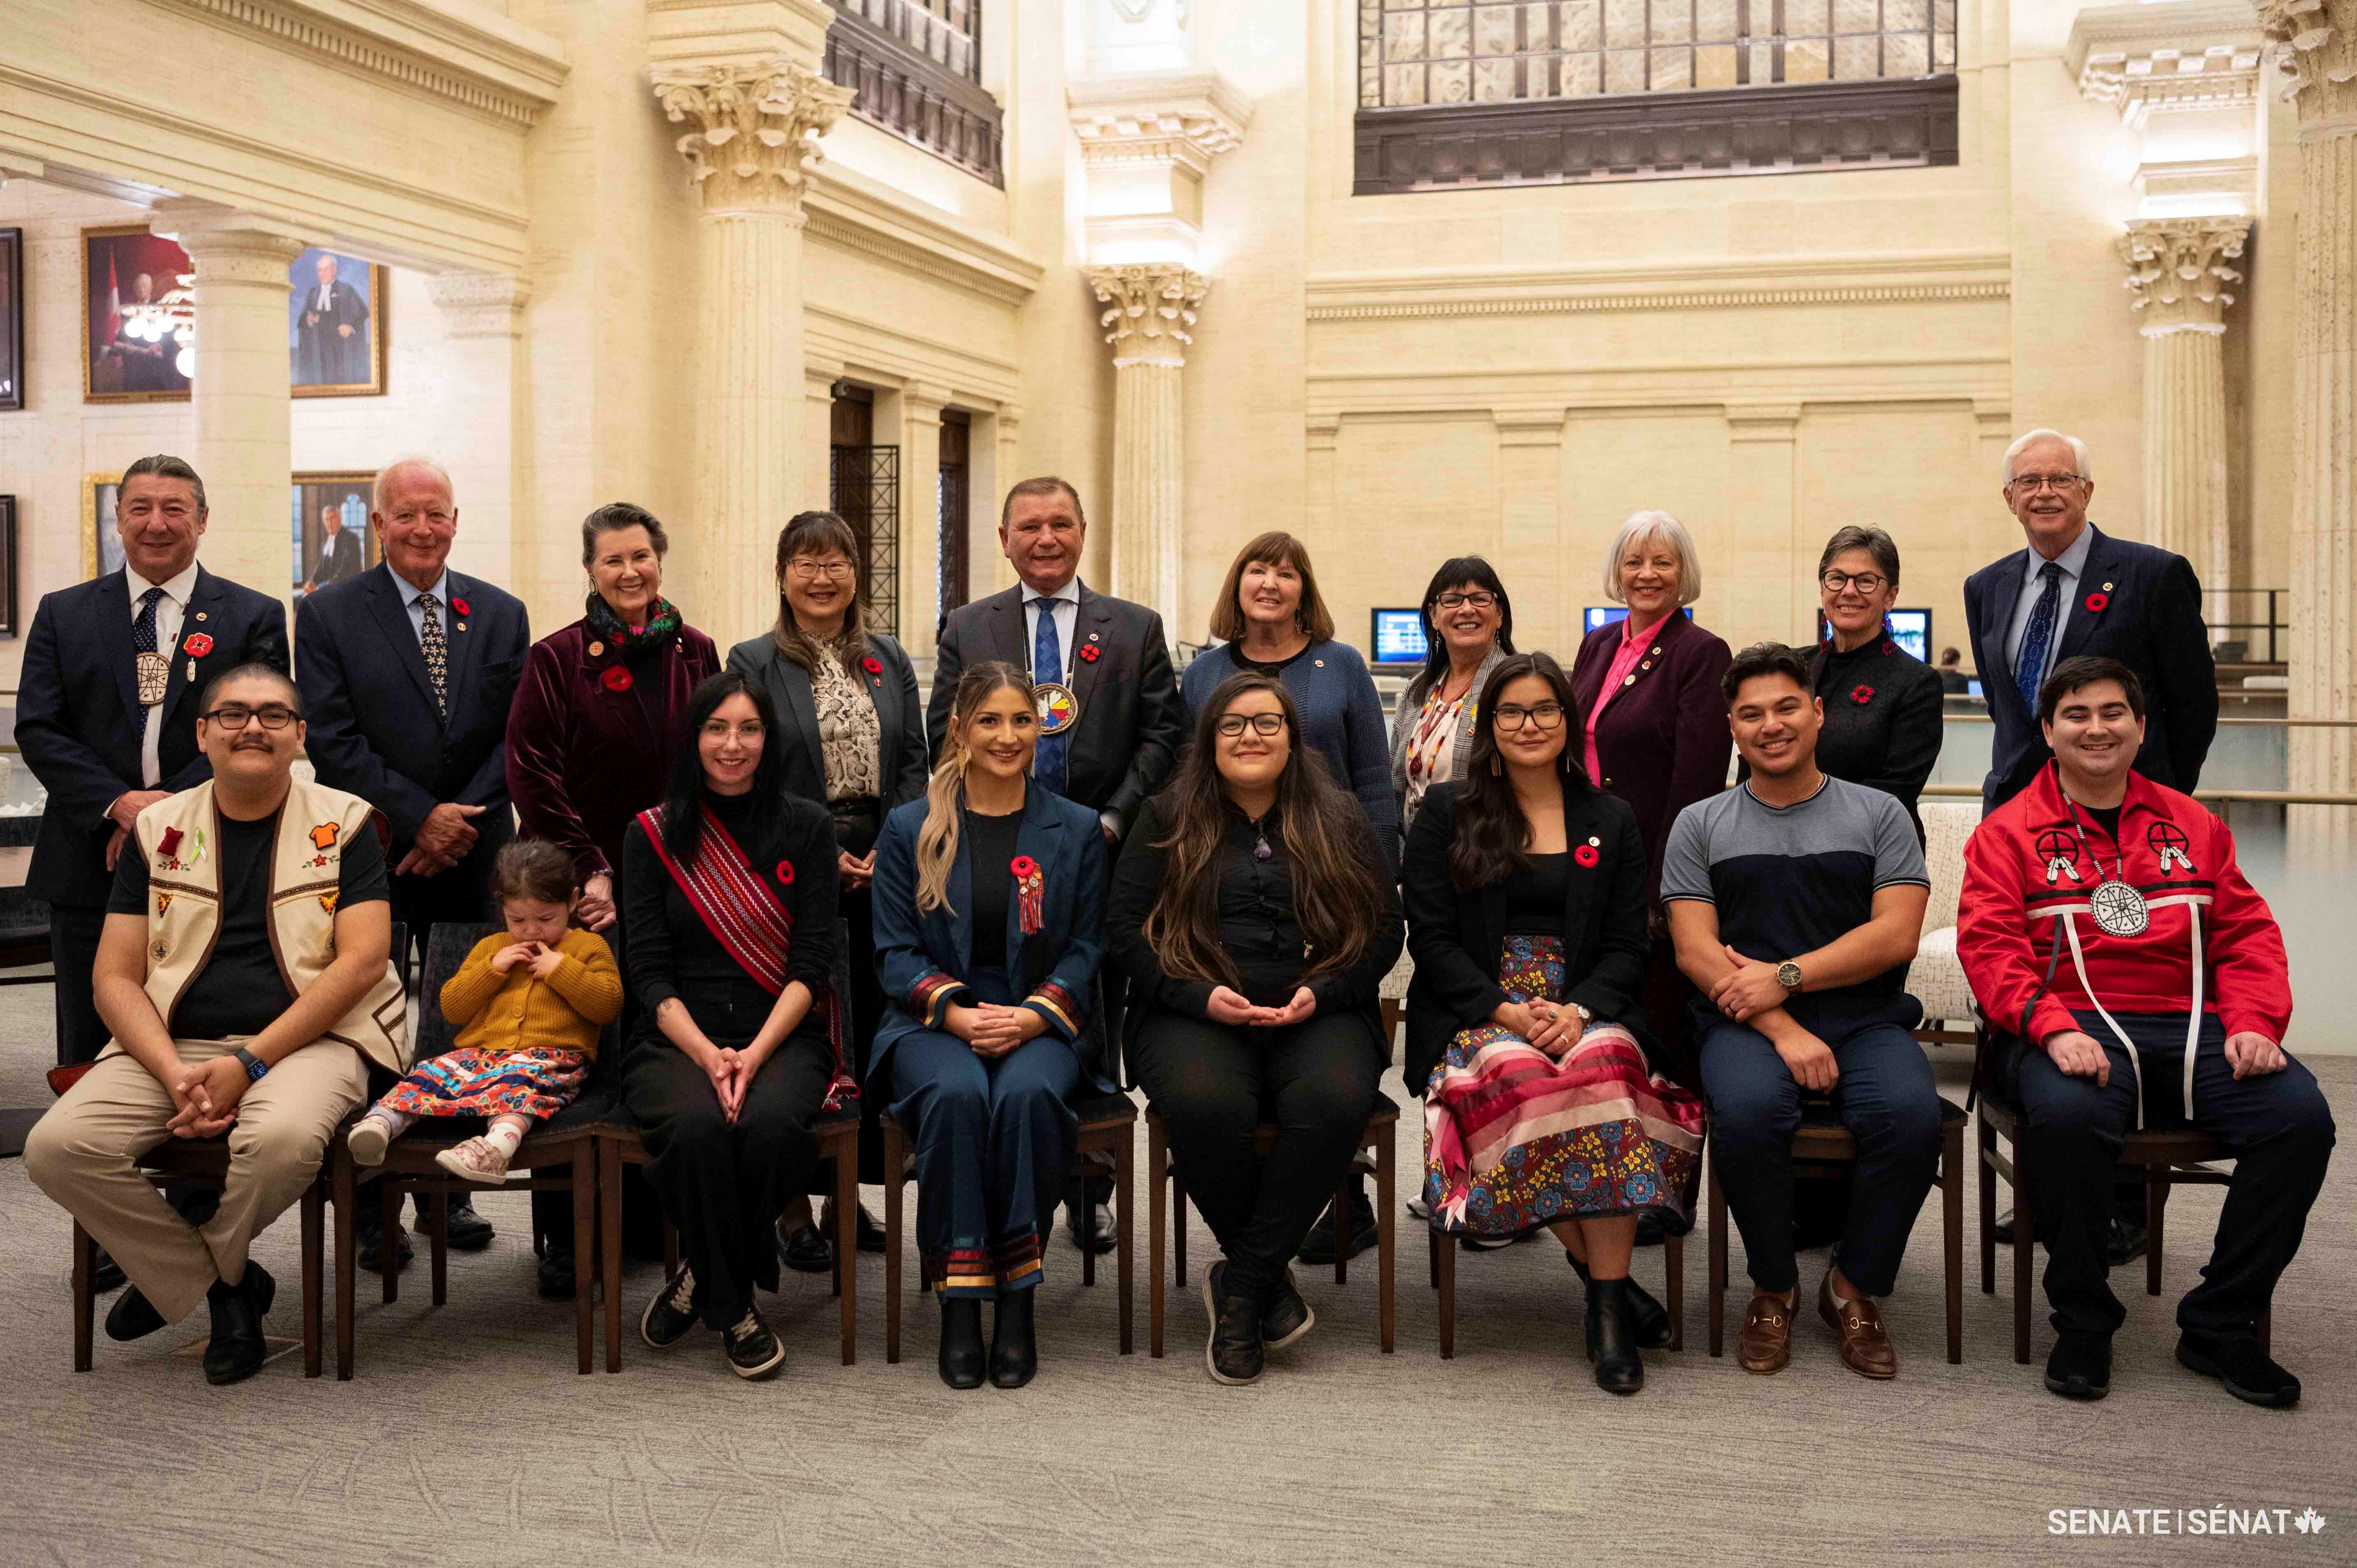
[
  {"x": 987, "y": 942},
  {"x": 728, "y": 897}
]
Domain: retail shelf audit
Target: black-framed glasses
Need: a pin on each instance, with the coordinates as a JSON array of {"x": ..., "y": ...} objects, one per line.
[
  {"x": 1513, "y": 716},
  {"x": 1865, "y": 582},
  {"x": 1453, "y": 601},
  {"x": 1232, "y": 725},
  {"x": 235, "y": 715}
]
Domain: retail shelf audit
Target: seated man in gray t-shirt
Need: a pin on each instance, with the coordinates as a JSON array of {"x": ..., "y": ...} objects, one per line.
[{"x": 1795, "y": 900}]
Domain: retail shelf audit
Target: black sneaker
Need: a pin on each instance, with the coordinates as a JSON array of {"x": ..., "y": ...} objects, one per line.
[
  {"x": 1231, "y": 1352},
  {"x": 671, "y": 1313},
  {"x": 2080, "y": 1367},
  {"x": 1287, "y": 1317},
  {"x": 1318, "y": 1247},
  {"x": 753, "y": 1351},
  {"x": 2238, "y": 1363}
]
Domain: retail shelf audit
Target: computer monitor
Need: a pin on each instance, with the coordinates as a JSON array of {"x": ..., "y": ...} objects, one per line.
[
  {"x": 1910, "y": 629},
  {"x": 1397, "y": 636},
  {"x": 1611, "y": 614}
]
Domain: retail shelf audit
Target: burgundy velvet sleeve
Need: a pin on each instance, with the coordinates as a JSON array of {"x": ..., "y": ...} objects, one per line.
[
  {"x": 540, "y": 737},
  {"x": 1701, "y": 742}
]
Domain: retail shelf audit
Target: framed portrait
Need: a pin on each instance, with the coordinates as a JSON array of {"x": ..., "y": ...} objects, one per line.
[
  {"x": 12, "y": 320},
  {"x": 332, "y": 537},
  {"x": 9, "y": 570},
  {"x": 335, "y": 325},
  {"x": 131, "y": 348},
  {"x": 101, "y": 542}
]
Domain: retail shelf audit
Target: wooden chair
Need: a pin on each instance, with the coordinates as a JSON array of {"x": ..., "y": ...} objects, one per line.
[
  {"x": 1375, "y": 1154},
  {"x": 1106, "y": 1136},
  {"x": 1444, "y": 1279},
  {"x": 1822, "y": 1147}
]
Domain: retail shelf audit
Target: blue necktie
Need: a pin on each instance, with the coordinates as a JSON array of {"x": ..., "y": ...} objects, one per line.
[
  {"x": 1047, "y": 664},
  {"x": 143, "y": 630},
  {"x": 2029, "y": 668}
]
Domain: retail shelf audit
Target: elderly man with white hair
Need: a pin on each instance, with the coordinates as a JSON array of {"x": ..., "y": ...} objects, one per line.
[{"x": 407, "y": 670}]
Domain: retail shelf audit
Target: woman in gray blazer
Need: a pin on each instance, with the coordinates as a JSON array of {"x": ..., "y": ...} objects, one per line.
[{"x": 1468, "y": 626}]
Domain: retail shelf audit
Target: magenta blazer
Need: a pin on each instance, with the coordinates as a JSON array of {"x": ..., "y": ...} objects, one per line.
[
  {"x": 582, "y": 759},
  {"x": 1663, "y": 741}
]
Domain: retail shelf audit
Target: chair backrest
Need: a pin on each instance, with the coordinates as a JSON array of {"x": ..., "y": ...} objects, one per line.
[
  {"x": 1947, "y": 825},
  {"x": 446, "y": 950}
]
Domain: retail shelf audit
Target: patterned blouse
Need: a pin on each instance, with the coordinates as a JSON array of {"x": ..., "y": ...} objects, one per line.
[
  {"x": 849, "y": 736},
  {"x": 1432, "y": 747}
]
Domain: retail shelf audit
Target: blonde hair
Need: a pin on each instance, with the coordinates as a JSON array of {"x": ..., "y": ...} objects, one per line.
[
  {"x": 1652, "y": 524},
  {"x": 936, "y": 839}
]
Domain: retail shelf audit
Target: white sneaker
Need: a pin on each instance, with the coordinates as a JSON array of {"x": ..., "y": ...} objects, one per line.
[
  {"x": 369, "y": 1140},
  {"x": 476, "y": 1159}
]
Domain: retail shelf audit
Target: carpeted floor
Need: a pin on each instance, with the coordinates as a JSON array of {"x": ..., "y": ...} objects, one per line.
[{"x": 468, "y": 1437}]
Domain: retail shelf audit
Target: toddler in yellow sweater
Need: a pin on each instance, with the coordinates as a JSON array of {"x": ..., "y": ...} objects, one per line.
[{"x": 529, "y": 1003}]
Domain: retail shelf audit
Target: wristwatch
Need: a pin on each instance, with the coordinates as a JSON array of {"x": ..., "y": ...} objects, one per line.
[
  {"x": 1586, "y": 1017},
  {"x": 255, "y": 1065},
  {"x": 1788, "y": 975}
]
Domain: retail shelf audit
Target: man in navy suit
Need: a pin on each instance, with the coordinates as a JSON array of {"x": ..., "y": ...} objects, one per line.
[
  {"x": 2075, "y": 590},
  {"x": 406, "y": 672}
]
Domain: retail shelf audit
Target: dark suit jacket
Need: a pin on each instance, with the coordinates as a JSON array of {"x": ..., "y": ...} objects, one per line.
[
  {"x": 581, "y": 759},
  {"x": 2152, "y": 624},
  {"x": 1663, "y": 741},
  {"x": 339, "y": 558},
  {"x": 1132, "y": 722},
  {"x": 324, "y": 357},
  {"x": 80, "y": 725},
  {"x": 903, "y": 760},
  {"x": 1455, "y": 936},
  {"x": 374, "y": 729}
]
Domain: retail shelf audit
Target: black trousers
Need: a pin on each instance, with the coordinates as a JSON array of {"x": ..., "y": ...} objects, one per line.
[
  {"x": 723, "y": 1183},
  {"x": 2278, "y": 1124},
  {"x": 1214, "y": 1084},
  {"x": 73, "y": 953}
]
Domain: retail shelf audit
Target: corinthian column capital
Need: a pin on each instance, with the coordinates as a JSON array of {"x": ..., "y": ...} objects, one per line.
[
  {"x": 751, "y": 128},
  {"x": 2314, "y": 44},
  {"x": 1150, "y": 310},
  {"x": 2178, "y": 271}
]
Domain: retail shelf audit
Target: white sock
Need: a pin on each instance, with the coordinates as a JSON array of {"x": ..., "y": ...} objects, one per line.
[
  {"x": 396, "y": 1122},
  {"x": 504, "y": 1136}
]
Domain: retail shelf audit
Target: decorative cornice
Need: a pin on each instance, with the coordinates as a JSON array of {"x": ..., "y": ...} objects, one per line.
[
  {"x": 2182, "y": 54},
  {"x": 479, "y": 304},
  {"x": 1151, "y": 310},
  {"x": 1157, "y": 118},
  {"x": 755, "y": 128},
  {"x": 2314, "y": 44},
  {"x": 454, "y": 49},
  {"x": 1749, "y": 282},
  {"x": 2178, "y": 272},
  {"x": 849, "y": 208}
]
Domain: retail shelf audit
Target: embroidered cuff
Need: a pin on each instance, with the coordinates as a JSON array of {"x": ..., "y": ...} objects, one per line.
[
  {"x": 1059, "y": 1006},
  {"x": 929, "y": 999}
]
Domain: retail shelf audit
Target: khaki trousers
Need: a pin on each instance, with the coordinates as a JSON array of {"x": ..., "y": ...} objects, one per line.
[{"x": 83, "y": 1153}]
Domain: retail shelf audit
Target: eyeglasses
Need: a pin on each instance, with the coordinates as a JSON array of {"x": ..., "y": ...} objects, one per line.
[
  {"x": 1232, "y": 725},
  {"x": 812, "y": 570},
  {"x": 233, "y": 716},
  {"x": 2030, "y": 484},
  {"x": 1865, "y": 582},
  {"x": 1546, "y": 715},
  {"x": 1460, "y": 601}
]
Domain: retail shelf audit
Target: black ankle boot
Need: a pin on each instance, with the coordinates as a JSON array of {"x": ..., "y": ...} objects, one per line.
[
  {"x": 1647, "y": 1318},
  {"x": 961, "y": 1357},
  {"x": 1611, "y": 1342},
  {"x": 1014, "y": 1354}
]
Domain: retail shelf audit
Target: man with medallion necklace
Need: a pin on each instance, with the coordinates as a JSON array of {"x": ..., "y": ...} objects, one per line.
[{"x": 2135, "y": 979}]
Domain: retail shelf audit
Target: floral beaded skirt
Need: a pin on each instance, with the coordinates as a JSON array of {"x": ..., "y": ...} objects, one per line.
[
  {"x": 471, "y": 1081},
  {"x": 1514, "y": 1138}
]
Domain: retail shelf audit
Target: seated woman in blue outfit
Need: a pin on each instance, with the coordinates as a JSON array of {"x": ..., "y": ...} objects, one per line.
[{"x": 987, "y": 943}]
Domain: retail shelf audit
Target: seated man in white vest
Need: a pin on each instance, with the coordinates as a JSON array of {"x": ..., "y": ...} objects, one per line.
[{"x": 244, "y": 973}]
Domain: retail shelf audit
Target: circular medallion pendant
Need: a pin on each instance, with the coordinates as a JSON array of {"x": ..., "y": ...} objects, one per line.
[
  {"x": 2119, "y": 909},
  {"x": 1059, "y": 709}
]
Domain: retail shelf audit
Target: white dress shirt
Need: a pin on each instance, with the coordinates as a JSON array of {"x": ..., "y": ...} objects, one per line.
[
  {"x": 1065, "y": 605},
  {"x": 169, "y": 611},
  {"x": 2074, "y": 562},
  {"x": 411, "y": 593}
]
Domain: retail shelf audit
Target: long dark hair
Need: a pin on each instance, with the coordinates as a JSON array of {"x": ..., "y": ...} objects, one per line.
[
  {"x": 1339, "y": 890},
  {"x": 1455, "y": 573},
  {"x": 683, "y": 828},
  {"x": 1491, "y": 831}
]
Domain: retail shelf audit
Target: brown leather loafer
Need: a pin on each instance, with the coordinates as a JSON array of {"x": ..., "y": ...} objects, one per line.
[
  {"x": 1766, "y": 1342},
  {"x": 1865, "y": 1347}
]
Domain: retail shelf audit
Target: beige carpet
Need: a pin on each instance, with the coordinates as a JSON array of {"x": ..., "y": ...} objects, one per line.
[{"x": 468, "y": 1437}]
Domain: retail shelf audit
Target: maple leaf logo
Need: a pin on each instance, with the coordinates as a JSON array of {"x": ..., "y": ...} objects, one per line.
[{"x": 2309, "y": 1523}]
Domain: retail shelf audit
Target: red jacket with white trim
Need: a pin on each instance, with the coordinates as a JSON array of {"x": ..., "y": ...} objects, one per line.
[{"x": 2028, "y": 869}]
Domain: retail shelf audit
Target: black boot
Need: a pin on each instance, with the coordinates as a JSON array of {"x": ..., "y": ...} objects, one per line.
[
  {"x": 1647, "y": 1318},
  {"x": 1612, "y": 1341},
  {"x": 1014, "y": 1354},
  {"x": 237, "y": 1348},
  {"x": 961, "y": 1357}
]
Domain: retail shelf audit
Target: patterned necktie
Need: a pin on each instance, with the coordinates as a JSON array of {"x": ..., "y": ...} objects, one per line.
[
  {"x": 438, "y": 653},
  {"x": 143, "y": 630},
  {"x": 1047, "y": 664},
  {"x": 2029, "y": 666}
]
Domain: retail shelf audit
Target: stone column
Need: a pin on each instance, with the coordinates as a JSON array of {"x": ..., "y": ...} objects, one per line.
[
  {"x": 244, "y": 444},
  {"x": 917, "y": 410},
  {"x": 750, "y": 128},
  {"x": 2178, "y": 273},
  {"x": 2316, "y": 46},
  {"x": 1767, "y": 593},
  {"x": 1149, "y": 320},
  {"x": 535, "y": 557}
]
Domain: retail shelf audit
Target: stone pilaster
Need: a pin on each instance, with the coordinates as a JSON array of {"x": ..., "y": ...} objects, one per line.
[
  {"x": 2180, "y": 280},
  {"x": 1149, "y": 319},
  {"x": 917, "y": 409},
  {"x": 2315, "y": 45},
  {"x": 1530, "y": 523},
  {"x": 534, "y": 555}
]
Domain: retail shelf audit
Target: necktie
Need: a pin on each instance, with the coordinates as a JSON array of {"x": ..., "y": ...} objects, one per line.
[
  {"x": 1047, "y": 664},
  {"x": 438, "y": 653},
  {"x": 143, "y": 630},
  {"x": 2029, "y": 666}
]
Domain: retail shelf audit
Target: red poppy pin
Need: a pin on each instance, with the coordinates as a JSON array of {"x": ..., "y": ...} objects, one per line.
[
  {"x": 1861, "y": 695},
  {"x": 460, "y": 605},
  {"x": 1029, "y": 885},
  {"x": 2095, "y": 603},
  {"x": 786, "y": 872},
  {"x": 615, "y": 679},
  {"x": 1585, "y": 854},
  {"x": 1088, "y": 654},
  {"x": 873, "y": 666},
  {"x": 197, "y": 646},
  {"x": 170, "y": 844},
  {"x": 1023, "y": 865}
]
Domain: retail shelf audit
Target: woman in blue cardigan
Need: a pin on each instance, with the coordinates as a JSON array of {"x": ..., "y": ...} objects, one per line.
[
  {"x": 1271, "y": 621},
  {"x": 987, "y": 893}
]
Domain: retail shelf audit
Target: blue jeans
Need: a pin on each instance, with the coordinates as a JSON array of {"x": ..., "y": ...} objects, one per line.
[{"x": 1887, "y": 1101}]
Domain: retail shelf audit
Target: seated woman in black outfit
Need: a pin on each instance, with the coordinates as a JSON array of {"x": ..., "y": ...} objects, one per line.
[
  {"x": 1525, "y": 890},
  {"x": 728, "y": 895},
  {"x": 1256, "y": 918}
]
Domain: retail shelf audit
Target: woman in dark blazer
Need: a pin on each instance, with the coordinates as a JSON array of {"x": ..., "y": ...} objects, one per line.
[
  {"x": 1655, "y": 732},
  {"x": 1883, "y": 723},
  {"x": 987, "y": 941},
  {"x": 1526, "y": 892}
]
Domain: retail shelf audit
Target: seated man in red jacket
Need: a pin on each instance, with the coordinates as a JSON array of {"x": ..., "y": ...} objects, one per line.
[{"x": 2137, "y": 979}]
